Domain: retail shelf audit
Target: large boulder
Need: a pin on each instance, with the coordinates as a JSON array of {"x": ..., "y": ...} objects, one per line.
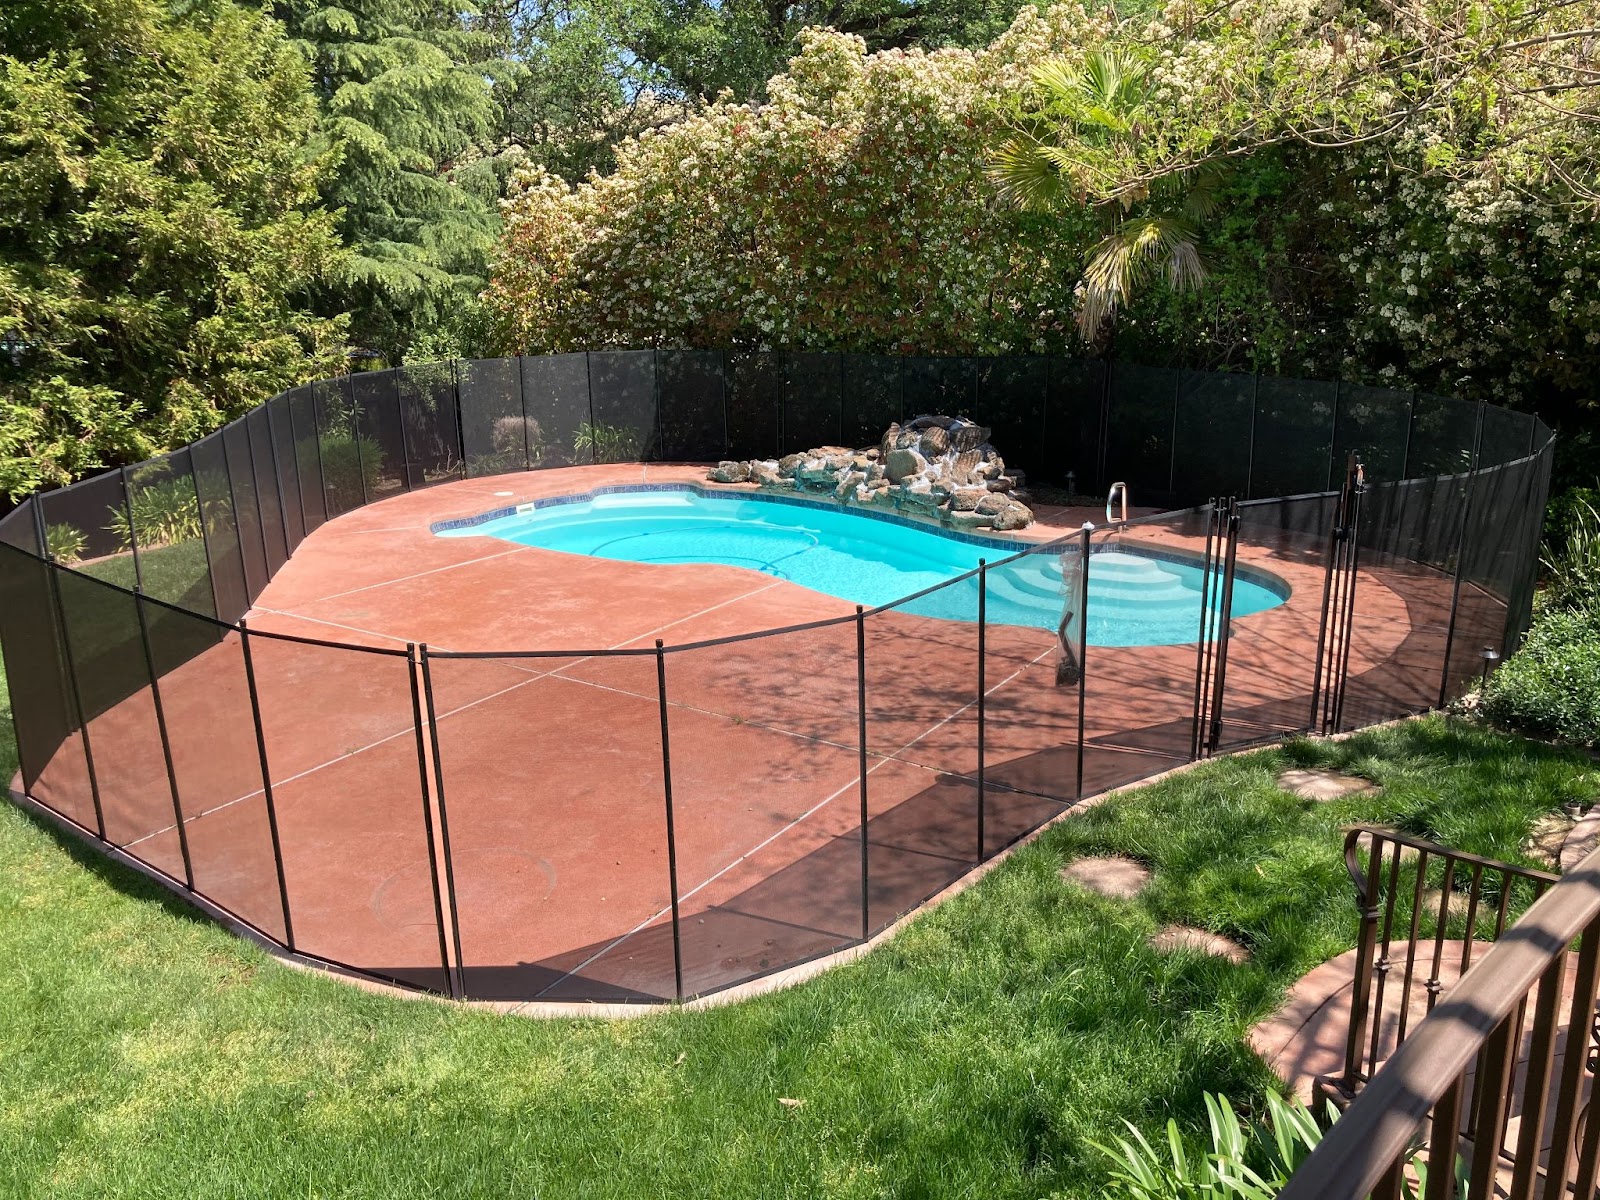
[
  {"x": 901, "y": 464},
  {"x": 730, "y": 472}
]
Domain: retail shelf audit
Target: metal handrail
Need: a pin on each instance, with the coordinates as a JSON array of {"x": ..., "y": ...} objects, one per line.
[
  {"x": 1369, "y": 1145},
  {"x": 1118, "y": 490}
]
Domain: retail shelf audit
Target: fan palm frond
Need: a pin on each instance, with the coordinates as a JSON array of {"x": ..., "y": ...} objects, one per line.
[{"x": 1124, "y": 261}]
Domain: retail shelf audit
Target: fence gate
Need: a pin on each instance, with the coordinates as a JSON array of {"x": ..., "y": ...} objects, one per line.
[
  {"x": 1216, "y": 614},
  {"x": 1338, "y": 603}
]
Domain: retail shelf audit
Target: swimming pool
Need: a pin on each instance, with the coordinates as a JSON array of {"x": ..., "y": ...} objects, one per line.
[{"x": 1135, "y": 599}]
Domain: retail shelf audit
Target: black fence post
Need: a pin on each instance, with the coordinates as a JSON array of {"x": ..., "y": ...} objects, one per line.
[
  {"x": 1461, "y": 557},
  {"x": 1353, "y": 565},
  {"x": 1203, "y": 641},
  {"x": 1224, "y": 626},
  {"x": 861, "y": 737},
  {"x": 522, "y": 407},
  {"x": 672, "y": 842},
  {"x": 400, "y": 427},
  {"x": 277, "y": 478},
  {"x": 266, "y": 780},
  {"x": 75, "y": 690},
  {"x": 455, "y": 405},
  {"x": 1331, "y": 578},
  {"x": 452, "y": 983},
  {"x": 983, "y": 597},
  {"x": 161, "y": 728},
  {"x": 355, "y": 436},
  {"x": 459, "y": 980},
  {"x": 133, "y": 534},
  {"x": 1250, "y": 455},
  {"x": 1083, "y": 642}
]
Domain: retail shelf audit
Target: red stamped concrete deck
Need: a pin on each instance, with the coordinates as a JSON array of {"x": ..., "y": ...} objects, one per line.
[{"x": 552, "y": 766}]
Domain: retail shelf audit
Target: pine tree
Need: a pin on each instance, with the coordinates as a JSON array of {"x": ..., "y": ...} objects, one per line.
[{"x": 410, "y": 113}]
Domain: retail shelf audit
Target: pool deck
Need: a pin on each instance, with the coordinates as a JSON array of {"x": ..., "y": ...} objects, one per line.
[{"x": 552, "y": 766}]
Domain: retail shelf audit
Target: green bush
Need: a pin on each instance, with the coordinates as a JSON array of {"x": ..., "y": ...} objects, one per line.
[
  {"x": 608, "y": 443},
  {"x": 164, "y": 513},
  {"x": 344, "y": 467},
  {"x": 66, "y": 543},
  {"x": 1551, "y": 686}
]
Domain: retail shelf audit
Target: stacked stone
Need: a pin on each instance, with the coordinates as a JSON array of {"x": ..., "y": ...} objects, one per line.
[{"x": 937, "y": 468}]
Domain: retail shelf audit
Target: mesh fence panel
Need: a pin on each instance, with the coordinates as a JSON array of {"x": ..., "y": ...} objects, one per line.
[
  {"x": 246, "y": 512},
  {"x": 344, "y": 475},
  {"x": 555, "y": 397},
  {"x": 754, "y": 383},
  {"x": 341, "y": 744},
  {"x": 622, "y": 399},
  {"x": 1139, "y": 428},
  {"x": 103, "y": 637},
  {"x": 1443, "y": 433},
  {"x": 1011, "y": 396},
  {"x": 940, "y": 386},
  {"x": 430, "y": 422},
  {"x": 274, "y": 522},
  {"x": 1292, "y": 448},
  {"x": 1282, "y": 554},
  {"x": 224, "y": 551},
  {"x": 307, "y": 456},
  {"x": 1212, "y": 453},
  {"x": 383, "y": 441},
  {"x": 216, "y": 766},
  {"x": 1074, "y": 408},
  {"x": 168, "y": 535},
  {"x": 812, "y": 402},
  {"x": 870, "y": 397},
  {"x": 41, "y": 706},
  {"x": 766, "y": 799},
  {"x": 557, "y": 821},
  {"x": 288, "y": 471},
  {"x": 86, "y": 527},
  {"x": 1505, "y": 436},
  {"x": 693, "y": 425},
  {"x": 495, "y": 436},
  {"x": 1375, "y": 423}
]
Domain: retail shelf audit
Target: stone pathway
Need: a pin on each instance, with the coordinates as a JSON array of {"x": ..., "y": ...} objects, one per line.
[
  {"x": 1109, "y": 875},
  {"x": 1581, "y": 840},
  {"x": 1322, "y": 786},
  {"x": 1187, "y": 937}
]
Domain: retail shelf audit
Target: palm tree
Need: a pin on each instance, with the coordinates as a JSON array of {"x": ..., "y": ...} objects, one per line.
[{"x": 1073, "y": 147}]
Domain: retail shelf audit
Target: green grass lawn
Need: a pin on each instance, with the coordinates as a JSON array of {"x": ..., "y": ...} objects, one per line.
[{"x": 144, "y": 1052}]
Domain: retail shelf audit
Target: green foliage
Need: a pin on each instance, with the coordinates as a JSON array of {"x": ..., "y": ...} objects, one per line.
[
  {"x": 348, "y": 462},
  {"x": 408, "y": 113},
  {"x": 605, "y": 443},
  {"x": 164, "y": 511},
  {"x": 1551, "y": 686},
  {"x": 158, "y": 229},
  {"x": 66, "y": 542}
]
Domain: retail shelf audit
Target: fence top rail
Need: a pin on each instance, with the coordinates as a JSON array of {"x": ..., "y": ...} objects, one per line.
[
  {"x": 1377, "y": 834},
  {"x": 1377, "y": 1129}
]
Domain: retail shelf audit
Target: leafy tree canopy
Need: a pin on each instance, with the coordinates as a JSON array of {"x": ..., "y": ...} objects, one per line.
[{"x": 159, "y": 229}]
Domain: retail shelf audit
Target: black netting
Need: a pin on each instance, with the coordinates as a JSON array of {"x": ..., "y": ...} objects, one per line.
[
  {"x": 17, "y": 529},
  {"x": 246, "y": 513},
  {"x": 495, "y": 436},
  {"x": 1139, "y": 429},
  {"x": 870, "y": 401},
  {"x": 561, "y": 885},
  {"x": 274, "y": 521},
  {"x": 344, "y": 475},
  {"x": 622, "y": 399},
  {"x": 1293, "y": 442},
  {"x": 342, "y": 751},
  {"x": 812, "y": 402},
  {"x": 555, "y": 396},
  {"x": 1212, "y": 456},
  {"x": 755, "y": 382},
  {"x": 383, "y": 443},
  {"x": 281, "y": 423},
  {"x": 168, "y": 534},
  {"x": 766, "y": 802},
  {"x": 1505, "y": 436},
  {"x": 224, "y": 552},
  {"x": 1011, "y": 397},
  {"x": 1443, "y": 433},
  {"x": 1073, "y": 420},
  {"x": 430, "y": 420},
  {"x": 86, "y": 527},
  {"x": 41, "y": 706},
  {"x": 307, "y": 456},
  {"x": 940, "y": 386},
  {"x": 1374, "y": 422},
  {"x": 693, "y": 424}
]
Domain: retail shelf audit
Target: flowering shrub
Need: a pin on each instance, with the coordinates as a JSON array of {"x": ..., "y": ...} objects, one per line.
[{"x": 852, "y": 211}]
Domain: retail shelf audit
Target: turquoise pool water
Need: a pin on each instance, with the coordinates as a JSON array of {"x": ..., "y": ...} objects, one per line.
[{"x": 1134, "y": 599}]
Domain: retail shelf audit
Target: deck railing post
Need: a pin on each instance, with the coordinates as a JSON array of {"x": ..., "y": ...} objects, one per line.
[
  {"x": 266, "y": 780},
  {"x": 983, "y": 597},
  {"x": 1366, "y": 951},
  {"x": 861, "y": 737},
  {"x": 414, "y": 672},
  {"x": 672, "y": 840},
  {"x": 166, "y": 742},
  {"x": 459, "y": 981}
]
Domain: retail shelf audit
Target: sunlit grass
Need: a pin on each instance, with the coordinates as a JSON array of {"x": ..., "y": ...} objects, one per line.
[{"x": 144, "y": 1052}]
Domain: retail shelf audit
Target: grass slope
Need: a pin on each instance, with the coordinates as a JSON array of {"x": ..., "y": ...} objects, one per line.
[{"x": 144, "y": 1052}]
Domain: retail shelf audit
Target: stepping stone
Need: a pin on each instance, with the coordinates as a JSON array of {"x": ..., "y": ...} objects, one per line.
[
  {"x": 1547, "y": 839},
  {"x": 1583, "y": 838},
  {"x": 1323, "y": 786},
  {"x": 1187, "y": 937},
  {"x": 1109, "y": 875}
]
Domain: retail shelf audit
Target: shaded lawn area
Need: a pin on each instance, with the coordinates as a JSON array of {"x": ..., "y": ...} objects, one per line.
[{"x": 145, "y": 1052}]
